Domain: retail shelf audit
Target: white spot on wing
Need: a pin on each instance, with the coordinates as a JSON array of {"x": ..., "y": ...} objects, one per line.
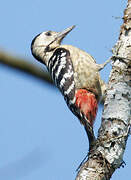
[
  {"x": 50, "y": 62},
  {"x": 61, "y": 66},
  {"x": 63, "y": 54},
  {"x": 70, "y": 88},
  {"x": 53, "y": 58},
  {"x": 66, "y": 75},
  {"x": 62, "y": 82},
  {"x": 72, "y": 101},
  {"x": 54, "y": 67}
]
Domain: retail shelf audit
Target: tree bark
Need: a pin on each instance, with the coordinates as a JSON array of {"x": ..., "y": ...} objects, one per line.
[{"x": 107, "y": 153}]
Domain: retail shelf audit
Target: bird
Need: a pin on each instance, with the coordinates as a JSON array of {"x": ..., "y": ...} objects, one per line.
[{"x": 74, "y": 72}]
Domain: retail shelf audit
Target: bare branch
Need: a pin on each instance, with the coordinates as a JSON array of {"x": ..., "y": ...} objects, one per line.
[
  {"x": 107, "y": 153},
  {"x": 24, "y": 66}
]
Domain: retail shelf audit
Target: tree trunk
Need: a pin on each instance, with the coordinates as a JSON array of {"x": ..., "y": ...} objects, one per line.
[{"x": 107, "y": 153}]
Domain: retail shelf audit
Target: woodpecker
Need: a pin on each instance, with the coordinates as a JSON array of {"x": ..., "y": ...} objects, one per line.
[{"x": 74, "y": 72}]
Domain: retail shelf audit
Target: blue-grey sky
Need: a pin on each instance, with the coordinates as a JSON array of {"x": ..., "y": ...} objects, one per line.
[{"x": 39, "y": 137}]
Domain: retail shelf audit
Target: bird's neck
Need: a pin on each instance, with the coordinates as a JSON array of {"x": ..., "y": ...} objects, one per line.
[
  {"x": 44, "y": 56},
  {"x": 47, "y": 56}
]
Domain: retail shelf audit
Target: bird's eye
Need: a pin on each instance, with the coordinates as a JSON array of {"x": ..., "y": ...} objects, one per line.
[{"x": 48, "y": 33}]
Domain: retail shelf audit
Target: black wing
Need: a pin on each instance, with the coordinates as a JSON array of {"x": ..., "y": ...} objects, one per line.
[{"x": 61, "y": 69}]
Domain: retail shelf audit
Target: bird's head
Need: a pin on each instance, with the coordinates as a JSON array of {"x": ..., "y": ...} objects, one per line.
[{"x": 46, "y": 42}]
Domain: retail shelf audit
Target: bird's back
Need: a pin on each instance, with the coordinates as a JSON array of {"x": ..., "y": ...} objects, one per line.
[{"x": 86, "y": 74}]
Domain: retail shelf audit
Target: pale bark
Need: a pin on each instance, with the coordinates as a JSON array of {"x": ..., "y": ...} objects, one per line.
[{"x": 107, "y": 153}]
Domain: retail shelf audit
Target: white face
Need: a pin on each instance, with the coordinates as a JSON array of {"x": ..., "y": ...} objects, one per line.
[
  {"x": 46, "y": 42},
  {"x": 50, "y": 38},
  {"x": 44, "y": 39}
]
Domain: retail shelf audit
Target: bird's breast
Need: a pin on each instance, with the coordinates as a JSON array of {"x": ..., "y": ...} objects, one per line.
[{"x": 86, "y": 74}]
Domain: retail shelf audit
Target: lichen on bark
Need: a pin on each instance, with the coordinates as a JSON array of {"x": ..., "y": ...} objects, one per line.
[{"x": 107, "y": 154}]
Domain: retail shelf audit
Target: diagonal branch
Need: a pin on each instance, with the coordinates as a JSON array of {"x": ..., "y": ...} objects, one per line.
[
  {"x": 24, "y": 66},
  {"x": 107, "y": 153},
  {"x": 30, "y": 69}
]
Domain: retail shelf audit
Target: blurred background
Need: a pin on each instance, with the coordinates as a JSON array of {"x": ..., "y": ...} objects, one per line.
[{"x": 39, "y": 137}]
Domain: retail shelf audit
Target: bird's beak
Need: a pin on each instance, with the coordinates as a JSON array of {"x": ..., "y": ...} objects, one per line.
[{"x": 62, "y": 34}]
